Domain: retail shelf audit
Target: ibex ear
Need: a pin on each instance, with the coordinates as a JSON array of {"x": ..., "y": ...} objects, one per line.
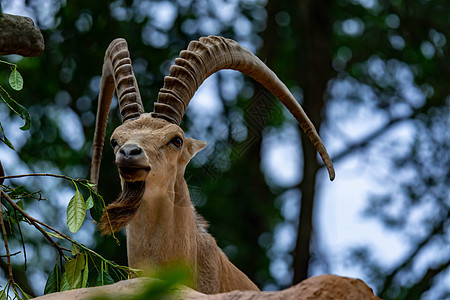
[{"x": 193, "y": 146}]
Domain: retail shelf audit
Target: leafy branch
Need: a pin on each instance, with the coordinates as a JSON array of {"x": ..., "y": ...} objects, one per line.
[
  {"x": 16, "y": 83},
  {"x": 76, "y": 210},
  {"x": 84, "y": 267},
  {"x": 15, "y": 78}
]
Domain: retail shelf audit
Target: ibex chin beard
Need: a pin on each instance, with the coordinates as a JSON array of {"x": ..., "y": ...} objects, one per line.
[{"x": 121, "y": 211}]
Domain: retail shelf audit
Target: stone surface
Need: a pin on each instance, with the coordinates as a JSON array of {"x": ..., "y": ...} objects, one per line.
[
  {"x": 323, "y": 287},
  {"x": 18, "y": 35}
]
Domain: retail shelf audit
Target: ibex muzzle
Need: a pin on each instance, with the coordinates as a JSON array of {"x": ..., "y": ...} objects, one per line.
[{"x": 132, "y": 162}]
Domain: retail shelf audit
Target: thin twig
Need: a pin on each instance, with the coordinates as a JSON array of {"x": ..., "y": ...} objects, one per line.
[
  {"x": 12, "y": 254},
  {"x": 8, "y": 63},
  {"x": 33, "y": 222},
  {"x": 361, "y": 144},
  {"x": 21, "y": 240},
  {"x": 44, "y": 174},
  {"x": 82, "y": 181},
  {"x": 83, "y": 246},
  {"x": 2, "y": 173}
]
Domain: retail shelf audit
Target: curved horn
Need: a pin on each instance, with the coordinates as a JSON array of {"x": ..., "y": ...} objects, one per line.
[
  {"x": 211, "y": 54},
  {"x": 117, "y": 74}
]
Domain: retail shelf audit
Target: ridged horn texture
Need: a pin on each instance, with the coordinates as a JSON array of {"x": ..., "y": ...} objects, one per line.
[
  {"x": 117, "y": 75},
  {"x": 211, "y": 54}
]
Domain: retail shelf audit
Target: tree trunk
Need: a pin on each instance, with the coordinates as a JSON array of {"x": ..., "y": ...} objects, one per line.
[
  {"x": 312, "y": 29},
  {"x": 311, "y": 26}
]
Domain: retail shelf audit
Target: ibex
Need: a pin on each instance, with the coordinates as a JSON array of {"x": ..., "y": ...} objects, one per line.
[{"x": 151, "y": 153}]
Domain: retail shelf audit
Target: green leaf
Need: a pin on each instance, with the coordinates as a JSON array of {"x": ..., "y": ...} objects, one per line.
[
  {"x": 20, "y": 204},
  {"x": 97, "y": 210},
  {"x": 85, "y": 274},
  {"x": 16, "y": 80},
  {"x": 3, "y": 294},
  {"x": 26, "y": 296},
  {"x": 65, "y": 286},
  {"x": 17, "y": 192},
  {"x": 13, "y": 218},
  {"x": 55, "y": 235},
  {"x": 17, "y": 214},
  {"x": 91, "y": 186},
  {"x": 20, "y": 111},
  {"x": 6, "y": 207},
  {"x": 4, "y": 139},
  {"x": 54, "y": 281},
  {"x": 73, "y": 270},
  {"x": 25, "y": 115},
  {"x": 10, "y": 213},
  {"x": 103, "y": 278},
  {"x": 7, "y": 143},
  {"x": 89, "y": 202},
  {"x": 76, "y": 212},
  {"x": 75, "y": 249}
]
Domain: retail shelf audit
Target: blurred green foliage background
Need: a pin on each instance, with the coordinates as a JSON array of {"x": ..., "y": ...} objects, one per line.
[{"x": 372, "y": 75}]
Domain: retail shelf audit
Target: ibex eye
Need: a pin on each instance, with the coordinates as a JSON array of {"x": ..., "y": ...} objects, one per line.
[
  {"x": 114, "y": 143},
  {"x": 177, "y": 142}
]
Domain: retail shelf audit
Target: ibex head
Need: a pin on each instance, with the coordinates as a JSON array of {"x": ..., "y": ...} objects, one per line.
[
  {"x": 153, "y": 150},
  {"x": 150, "y": 149}
]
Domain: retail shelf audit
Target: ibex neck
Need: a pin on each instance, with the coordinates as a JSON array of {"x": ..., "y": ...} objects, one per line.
[{"x": 163, "y": 230}]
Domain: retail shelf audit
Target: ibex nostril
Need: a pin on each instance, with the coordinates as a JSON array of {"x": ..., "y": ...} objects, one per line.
[
  {"x": 129, "y": 150},
  {"x": 135, "y": 151}
]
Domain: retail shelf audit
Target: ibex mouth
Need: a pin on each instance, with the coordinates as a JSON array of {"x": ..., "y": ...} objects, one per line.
[{"x": 133, "y": 173}]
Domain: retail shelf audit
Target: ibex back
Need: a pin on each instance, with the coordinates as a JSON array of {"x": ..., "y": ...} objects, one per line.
[{"x": 151, "y": 153}]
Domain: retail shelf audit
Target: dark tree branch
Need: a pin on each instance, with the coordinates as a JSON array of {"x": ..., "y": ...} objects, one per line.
[
  {"x": 8, "y": 255},
  {"x": 20, "y": 277},
  {"x": 415, "y": 291},
  {"x": 18, "y": 35},
  {"x": 2, "y": 174},
  {"x": 364, "y": 142},
  {"x": 43, "y": 174},
  {"x": 313, "y": 22},
  {"x": 437, "y": 228},
  {"x": 371, "y": 137}
]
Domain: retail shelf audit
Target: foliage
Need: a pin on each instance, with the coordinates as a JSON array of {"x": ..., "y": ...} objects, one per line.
[
  {"x": 83, "y": 267},
  {"x": 16, "y": 83}
]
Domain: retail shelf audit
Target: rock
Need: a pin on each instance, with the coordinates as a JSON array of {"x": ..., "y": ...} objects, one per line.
[
  {"x": 323, "y": 287},
  {"x": 18, "y": 35}
]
